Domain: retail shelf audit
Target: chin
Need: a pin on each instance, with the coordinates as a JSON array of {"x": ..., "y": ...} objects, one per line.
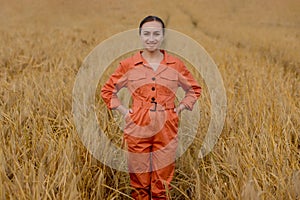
[{"x": 151, "y": 49}]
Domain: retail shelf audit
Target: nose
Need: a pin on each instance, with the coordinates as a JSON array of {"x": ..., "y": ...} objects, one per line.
[{"x": 151, "y": 38}]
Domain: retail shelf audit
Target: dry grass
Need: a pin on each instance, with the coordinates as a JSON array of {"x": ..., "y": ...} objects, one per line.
[{"x": 256, "y": 47}]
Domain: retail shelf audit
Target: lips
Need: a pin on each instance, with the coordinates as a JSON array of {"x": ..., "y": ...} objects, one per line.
[{"x": 151, "y": 45}]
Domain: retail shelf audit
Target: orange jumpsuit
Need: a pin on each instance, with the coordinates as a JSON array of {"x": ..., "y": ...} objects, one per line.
[{"x": 151, "y": 129}]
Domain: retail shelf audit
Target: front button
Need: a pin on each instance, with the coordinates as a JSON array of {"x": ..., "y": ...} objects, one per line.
[
  {"x": 153, "y": 99},
  {"x": 153, "y": 88},
  {"x": 153, "y": 79}
]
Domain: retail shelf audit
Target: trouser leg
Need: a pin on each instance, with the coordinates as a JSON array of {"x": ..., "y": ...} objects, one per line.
[
  {"x": 139, "y": 167},
  {"x": 140, "y": 182},
  {"x": 160, "y": 182},
  {"x": 164, "y": 154}
]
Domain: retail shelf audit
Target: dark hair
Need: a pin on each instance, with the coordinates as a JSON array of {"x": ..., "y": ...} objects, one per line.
[{"x": 151, "y": 18}]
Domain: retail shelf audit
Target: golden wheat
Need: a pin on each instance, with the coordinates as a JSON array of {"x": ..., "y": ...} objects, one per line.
[{"x": 255, "y": 45}]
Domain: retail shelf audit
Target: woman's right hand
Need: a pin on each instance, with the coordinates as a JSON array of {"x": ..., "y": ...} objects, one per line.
[{"x": 123, "y": 110}]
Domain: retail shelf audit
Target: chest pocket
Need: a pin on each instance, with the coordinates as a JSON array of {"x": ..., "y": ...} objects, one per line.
[
  {"x": 136, "y": 79},
  {"x": 168, "y": 79}
]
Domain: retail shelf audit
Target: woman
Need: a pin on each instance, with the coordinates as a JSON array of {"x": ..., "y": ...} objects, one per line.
[{"x": 152, "y": 76}]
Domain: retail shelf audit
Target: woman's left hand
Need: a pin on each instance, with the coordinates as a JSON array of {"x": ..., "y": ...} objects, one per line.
[{"x": 179, "y": 108}]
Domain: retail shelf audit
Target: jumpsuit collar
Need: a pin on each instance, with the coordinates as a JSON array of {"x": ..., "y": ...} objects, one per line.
[{"x": 139, "y": 59}]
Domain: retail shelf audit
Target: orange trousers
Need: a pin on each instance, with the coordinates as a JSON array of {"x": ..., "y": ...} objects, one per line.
[{"x": 151, "y": 140}]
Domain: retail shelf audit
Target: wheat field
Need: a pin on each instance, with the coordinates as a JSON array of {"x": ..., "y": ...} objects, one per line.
[{"x": 255, "y": 45}]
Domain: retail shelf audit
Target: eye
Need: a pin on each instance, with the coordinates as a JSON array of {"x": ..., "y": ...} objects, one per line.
[
  {"x": 146, "y": 33},
  {"x": 157, "y": 33}
]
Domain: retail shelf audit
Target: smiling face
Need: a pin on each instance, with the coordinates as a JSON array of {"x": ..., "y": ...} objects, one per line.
[{"x": 152, "y": 35}]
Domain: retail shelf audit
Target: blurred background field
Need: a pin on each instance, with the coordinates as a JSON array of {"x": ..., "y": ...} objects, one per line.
[{"x": 255, "y": 45}]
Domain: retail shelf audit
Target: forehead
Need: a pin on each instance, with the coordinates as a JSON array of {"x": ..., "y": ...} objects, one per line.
[{"x": 153, "y": 25}]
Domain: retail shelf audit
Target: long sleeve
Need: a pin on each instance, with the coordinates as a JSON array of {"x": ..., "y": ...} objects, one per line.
[
  {"x": 190, "y": 86},
  {"x": 110, "y": 89}
]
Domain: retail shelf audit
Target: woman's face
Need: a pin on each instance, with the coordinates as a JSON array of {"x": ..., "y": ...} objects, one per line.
[{"x": 152, "y": 35}]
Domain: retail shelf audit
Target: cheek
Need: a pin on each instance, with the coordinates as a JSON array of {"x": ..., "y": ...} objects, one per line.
[
  {"x": 160, "y": 38},
  {"x": 144, "y": 38}
]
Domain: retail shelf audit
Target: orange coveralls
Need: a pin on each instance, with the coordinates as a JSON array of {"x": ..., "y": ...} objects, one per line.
[{"x": 151, "y": 129}]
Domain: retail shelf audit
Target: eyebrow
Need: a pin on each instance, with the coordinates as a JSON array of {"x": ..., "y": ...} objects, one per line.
[{"x": 147, "y": 31}]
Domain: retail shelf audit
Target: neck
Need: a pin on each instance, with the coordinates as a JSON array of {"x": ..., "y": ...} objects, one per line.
[{"x": 151, "y": 54}]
